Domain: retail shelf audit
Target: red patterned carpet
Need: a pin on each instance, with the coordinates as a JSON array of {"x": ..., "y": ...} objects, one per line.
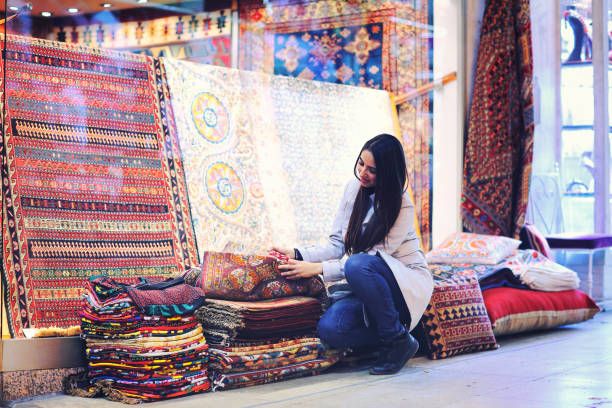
[{"x": 92, "y": 180}]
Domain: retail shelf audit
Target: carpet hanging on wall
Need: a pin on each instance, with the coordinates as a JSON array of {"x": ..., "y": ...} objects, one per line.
[
  {"x": 381, "y": 45},
  {"x": 267, "y": 157},
  {"x": 91, "y": 177},
  {"x": 499, "y": 143}
]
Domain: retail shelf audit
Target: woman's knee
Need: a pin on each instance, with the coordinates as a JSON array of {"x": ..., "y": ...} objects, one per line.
[
  {"x": 356, "y": 265},
  {"x": 328, "y": 329}
]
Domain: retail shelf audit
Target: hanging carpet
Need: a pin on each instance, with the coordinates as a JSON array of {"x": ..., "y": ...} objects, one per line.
[
  {"x": 372, "y": 44},
  {"x": 499, "y": 144},
  {"x": 267, "y": 157},
  {"x": 92, "y": 180}
]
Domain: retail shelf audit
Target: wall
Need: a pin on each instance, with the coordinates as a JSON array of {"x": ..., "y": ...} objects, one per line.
[
  {"x": 449, "y": 107},
  {"x": 547, "y": 80}
]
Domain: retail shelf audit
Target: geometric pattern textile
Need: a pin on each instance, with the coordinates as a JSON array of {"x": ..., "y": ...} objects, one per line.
[
  {"x": 212, "y": 51},
  {"x": 229, "y": 381},
  {"x": 204, "y": 37},
  {"x": 167, "y": 30},
  {"x": 220, "y": 362},
  {"x": 375, "y": 44},
  {"x": 266, "y": 157},
  {"x": 499, "y": 144},
  {"x": 140, "y": 356},
  {"x": 248, "y": 277},
  {"x": 92, "y": 181},
  {"x": 456, "y": 320}
]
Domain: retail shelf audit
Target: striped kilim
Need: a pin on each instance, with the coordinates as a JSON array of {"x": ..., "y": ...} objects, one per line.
[{"x": 91, "y": 178}]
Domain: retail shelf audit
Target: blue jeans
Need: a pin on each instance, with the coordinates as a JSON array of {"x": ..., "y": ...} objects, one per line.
[{"x": 373, "y": 286}]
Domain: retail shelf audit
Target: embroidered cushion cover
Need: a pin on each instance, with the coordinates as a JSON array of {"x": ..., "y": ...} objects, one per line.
[
  {"x": 230, "y": 276},
  {"x": 464, "y": 247}
]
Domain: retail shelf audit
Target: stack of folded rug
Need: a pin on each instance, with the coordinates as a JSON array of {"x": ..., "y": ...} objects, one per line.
[
  {"x": 229, "y": 321},
  {"x": 144, "y": 342},
  {"x": 263, "y": 341}
]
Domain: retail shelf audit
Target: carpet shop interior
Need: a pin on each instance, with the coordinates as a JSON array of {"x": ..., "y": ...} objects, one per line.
[{"x": 156, "y": 156}]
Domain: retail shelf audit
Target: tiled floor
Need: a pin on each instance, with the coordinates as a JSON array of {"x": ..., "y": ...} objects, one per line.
[{"x": 566, "y": 367}]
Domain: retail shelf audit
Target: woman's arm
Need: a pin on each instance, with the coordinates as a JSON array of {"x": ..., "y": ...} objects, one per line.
[{"x": 327, "y": 259}]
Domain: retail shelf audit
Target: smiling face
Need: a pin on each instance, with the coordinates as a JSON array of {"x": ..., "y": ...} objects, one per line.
[{"x": 366, "y": 168}]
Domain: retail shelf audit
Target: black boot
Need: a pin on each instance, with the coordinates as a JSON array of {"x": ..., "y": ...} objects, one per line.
[{"x": 394, "y": 355}]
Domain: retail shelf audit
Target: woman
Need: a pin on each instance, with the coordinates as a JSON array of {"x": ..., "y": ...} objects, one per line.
[{"x": 384, "y": 265}]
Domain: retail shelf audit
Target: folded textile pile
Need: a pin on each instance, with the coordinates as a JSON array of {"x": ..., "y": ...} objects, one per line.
[
  {"x": 265, "y": 341},
  {"x": 226, "y": 321},
  {"x": 144, "y": 341},
  {"x": 522, "y": 269},
  {"x": 489, "y": 276},
  {"x": 540, "y": 273}
]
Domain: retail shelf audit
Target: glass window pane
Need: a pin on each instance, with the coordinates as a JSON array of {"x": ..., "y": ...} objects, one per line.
[
  {"x": 576, "y": 165},
  {"x": 562, "y": 196}
]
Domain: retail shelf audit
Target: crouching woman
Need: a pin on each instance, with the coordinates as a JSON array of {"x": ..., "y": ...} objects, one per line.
[{"x": 374, "y": 245}]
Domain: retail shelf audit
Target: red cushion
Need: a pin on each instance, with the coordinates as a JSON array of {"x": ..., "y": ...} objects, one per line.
[{"x": 515, "y": 310}]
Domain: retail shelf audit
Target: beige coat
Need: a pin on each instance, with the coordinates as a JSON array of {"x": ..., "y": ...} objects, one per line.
[{"x": 402, "y": 253}]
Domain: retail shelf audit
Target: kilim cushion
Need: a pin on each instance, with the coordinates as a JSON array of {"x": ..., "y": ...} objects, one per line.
[
  {"x": 91, "y": 175},
  {"x": 532, "y": 238},
  {"x": 456, "y": 321},
  {"x": 230, "y": 276},
  {"x": 518, "y": 310},
  {"x": 464, "y": 247}
]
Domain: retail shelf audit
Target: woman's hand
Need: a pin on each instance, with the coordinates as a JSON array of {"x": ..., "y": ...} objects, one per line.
[
  {"x": 288, "y": 252},
  {"x": 300, "y": 269}
]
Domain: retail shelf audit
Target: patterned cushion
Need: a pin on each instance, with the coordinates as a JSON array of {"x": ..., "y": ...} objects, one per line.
[
  {"x": 456, "y": 321},
  {"x": 225, "y": 275},
  {"x": 532, "y": 238},
  {"x": 518, "y": 310},
  {"x": 464, "y": 247}
]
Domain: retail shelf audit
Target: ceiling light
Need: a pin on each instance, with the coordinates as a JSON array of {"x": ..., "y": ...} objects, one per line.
[
  {"x": 13, "y": 8},
  {"x": 45, "y": 13},
  {"x": 73, "y": 10},
  {"x": 142, "y": 1},
  {"x": 106, "y": 5}
]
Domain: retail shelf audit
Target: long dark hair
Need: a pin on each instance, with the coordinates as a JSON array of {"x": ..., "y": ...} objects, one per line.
[{"x": 391, "y": 177}]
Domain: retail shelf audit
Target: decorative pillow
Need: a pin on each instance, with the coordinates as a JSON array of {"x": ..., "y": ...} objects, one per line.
[
  {"x": 465, "y": 247},
  {"x": 532, "y": 238},
  {"x": 540, "y": 273},
  {"x": 456, "y": 320},
  {"x": 231, "y": 276},
  {"x": 518, "y": 310}
]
